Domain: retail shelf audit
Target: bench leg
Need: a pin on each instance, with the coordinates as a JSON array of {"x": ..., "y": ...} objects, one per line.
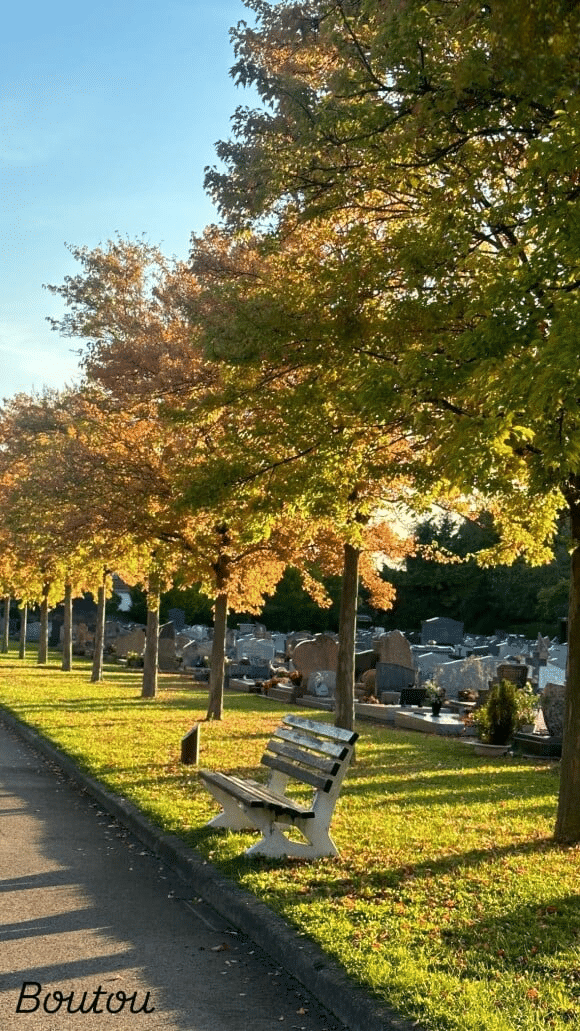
[
  {"x": 233, "y": 817},
  {"x": 275, "y": 843}
]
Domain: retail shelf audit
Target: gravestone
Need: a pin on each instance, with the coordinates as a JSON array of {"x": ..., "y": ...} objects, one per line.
[
  {"x": 322, "y": 683},
  {"x": 133, "y": 641},
  {"x": 190, "y": 655},
  {"x": 441, "y": 630},
  {"x": 190, "y": 746},
  {"x": 558, "y": 655},
  {"x": 471, "y": 674},
  {"x": 363, "y": 661},
  {"x": 513, "y": 673},
  {"x": 542, "y": 649},
  {"x": 295, "y": 638},
  {"x": 429, "y": 662},
  {"x": 552, "y": 704},
  {"x": 550, "y": 675},
  {"x": 255, "y": 648},
  {"x": 321, "y": 653},
  {"x": 166, "y": 657},
  {"x": 57, "y": 625},
  {"x": 177, "y": 617},
  {"x": 392, "y": 677},
  {"x": 83, "y": 640},
  {"x": 279, "y": 643},
  {"x": 394, "y": 648}
]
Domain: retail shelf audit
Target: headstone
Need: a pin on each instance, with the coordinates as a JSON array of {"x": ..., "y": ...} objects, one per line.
[
  {"x": 255, "y": 647},
  {"x": 134, "y": 641},
  {"x": 177, "y": 617},
  {"x": 392, "y": 677},
  {"x": 394, "y": 648},
  {"x": 550, "y": 675},
  {"x": 558, "y": 655},
  {"x": 279, "y": 643},
  {"x": 441, "y": 630},
  {"x": 363, "y": 661},
  {"x": 82, "y": 639},
  {"x": 190, "y": 655},
  {"x": 55, "y": 629},
  {"x": 429, "y": 662},
  {"x": 252, "y": 671},
  {"x": 514, "y": 673},
  {"x": 190, "y": 746},
  {"x": 472, "y": 674},
  {"x": 293, "y": 639},
  {"x": 319, "y": 654},
  {"x": 322, "y": 683},
  {"x": 543, "y": 647},
  {"x": 113, "y": 630},
  {"x": 552, "y": 703},
  {"x": 166, "y": 657}
]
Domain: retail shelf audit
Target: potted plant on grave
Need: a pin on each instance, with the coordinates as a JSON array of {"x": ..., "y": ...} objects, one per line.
[
  {"x": 497, "y": 719},
  {"x": 434, "y": 696}
]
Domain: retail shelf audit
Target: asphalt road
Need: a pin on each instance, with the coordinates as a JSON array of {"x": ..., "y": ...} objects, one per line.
[{"x": 96, "y": 932}]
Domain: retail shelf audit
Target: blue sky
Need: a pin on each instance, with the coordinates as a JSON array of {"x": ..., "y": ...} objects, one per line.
[{"x": 109, "y": 113}]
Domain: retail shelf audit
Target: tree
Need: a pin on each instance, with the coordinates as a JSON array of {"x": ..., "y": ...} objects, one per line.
[
  {"x": 157, "y": 420},
  {"x": 299, "y": 437},
  {"x": 447, "y": 134}
]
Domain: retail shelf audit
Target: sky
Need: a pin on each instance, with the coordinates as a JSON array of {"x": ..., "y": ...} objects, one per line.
[{"x": 109, "y": 113}]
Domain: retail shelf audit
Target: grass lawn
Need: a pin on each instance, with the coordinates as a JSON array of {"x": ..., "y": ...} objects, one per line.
[{"x": 449, "y": 899}]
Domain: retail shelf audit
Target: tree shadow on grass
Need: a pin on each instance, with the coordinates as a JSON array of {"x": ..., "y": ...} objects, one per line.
[{"x": 381, "y": 883}]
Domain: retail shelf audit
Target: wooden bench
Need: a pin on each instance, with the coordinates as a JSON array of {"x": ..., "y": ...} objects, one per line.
[{"x": 303, "y": 751}]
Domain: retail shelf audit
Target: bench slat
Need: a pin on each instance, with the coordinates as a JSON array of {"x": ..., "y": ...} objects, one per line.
[
  {"x": 256, "y": 796},
  {"x": 309, "y": 741},
  {"x": 326, "y": 729},
  {"x": 297, "y": 772},
  {"x": 315, "y": 762}
]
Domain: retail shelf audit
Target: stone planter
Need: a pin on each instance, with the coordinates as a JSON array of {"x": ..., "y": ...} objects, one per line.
[{"x": 482, "y": 748}]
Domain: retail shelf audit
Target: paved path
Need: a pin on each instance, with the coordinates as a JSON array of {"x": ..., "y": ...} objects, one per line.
[{"x": 85, "y": 908}]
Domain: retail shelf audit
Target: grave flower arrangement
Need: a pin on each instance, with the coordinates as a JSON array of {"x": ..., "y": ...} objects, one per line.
[
  {"x": 528, "y": 705},
  {"x": 434, "y": 696}
]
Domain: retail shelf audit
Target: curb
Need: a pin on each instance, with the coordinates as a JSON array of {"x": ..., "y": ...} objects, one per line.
[{"x": 302, "y": 959}]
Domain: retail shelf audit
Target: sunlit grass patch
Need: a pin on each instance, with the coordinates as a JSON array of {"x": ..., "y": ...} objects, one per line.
[{"x": 449, "y": 898}]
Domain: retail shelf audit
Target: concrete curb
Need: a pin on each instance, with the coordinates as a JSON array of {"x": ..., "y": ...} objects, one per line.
[{"x": 303, "y": 959}]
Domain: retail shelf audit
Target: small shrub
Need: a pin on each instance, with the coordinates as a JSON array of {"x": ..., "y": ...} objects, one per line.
[{"x": 499, "y": 716}]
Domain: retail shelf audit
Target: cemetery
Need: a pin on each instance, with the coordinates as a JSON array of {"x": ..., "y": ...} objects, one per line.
[{"x": 398, "y": 677}]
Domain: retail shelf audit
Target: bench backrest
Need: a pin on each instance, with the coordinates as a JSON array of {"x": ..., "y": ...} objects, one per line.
[{"x": 309, "y": 752}]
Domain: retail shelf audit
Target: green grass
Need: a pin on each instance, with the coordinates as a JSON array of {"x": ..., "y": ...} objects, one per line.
[{"x": 449, "y": 899}]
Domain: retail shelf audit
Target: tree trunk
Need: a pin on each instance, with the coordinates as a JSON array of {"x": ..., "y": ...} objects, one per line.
[
  {"x": 568, "y": 816},
  {"x": 97, "y": 672},
  {"x": 6, "y": 628},
  {"x": 23, "y": 627},
  {"x": 218, "y": 652},
  {"x": 344, "y": 714},
  {"x": 66, "y": 663},
  {"x": 149, "y": 689},
  {"x": 43, "y": 639}
]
